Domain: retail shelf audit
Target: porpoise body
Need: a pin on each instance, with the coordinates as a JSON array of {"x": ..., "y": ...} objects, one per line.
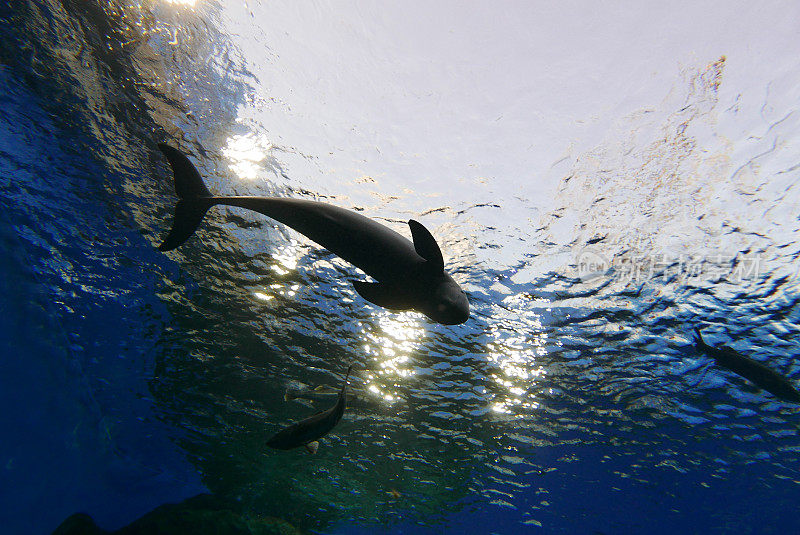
[{"x": 410, "y": 276}]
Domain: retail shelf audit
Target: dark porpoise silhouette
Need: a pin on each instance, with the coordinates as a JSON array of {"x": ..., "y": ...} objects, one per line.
[
  {"x": 760, "y": 375},
  {"x": 410, "y": 275},
  {"x": 307, "y": 432}
]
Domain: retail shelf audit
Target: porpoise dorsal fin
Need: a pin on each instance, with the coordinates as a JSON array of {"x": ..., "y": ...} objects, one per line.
[
  {"x": 426, "y": 246},
  {"x": 382, "y": 295}
]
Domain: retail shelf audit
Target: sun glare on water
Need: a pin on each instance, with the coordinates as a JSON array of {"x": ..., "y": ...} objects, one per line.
[
  {"x": 246, "y": 152},
  {"x": 514, "y": 355},
  {"x": 390, "y": 351}
]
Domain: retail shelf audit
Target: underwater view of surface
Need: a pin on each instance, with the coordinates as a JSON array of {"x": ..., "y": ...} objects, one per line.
[{"x": 601, "y": 178}]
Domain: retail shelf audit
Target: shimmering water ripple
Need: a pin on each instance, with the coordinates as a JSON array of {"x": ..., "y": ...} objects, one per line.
[{"x": 573, "y": 388}]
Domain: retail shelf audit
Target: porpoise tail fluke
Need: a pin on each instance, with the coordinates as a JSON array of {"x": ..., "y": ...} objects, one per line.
[
  {"x": 699, "y": 340},
  {"x": 194, "y": 198}
]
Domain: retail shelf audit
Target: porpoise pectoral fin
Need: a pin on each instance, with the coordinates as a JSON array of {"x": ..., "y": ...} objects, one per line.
[
  {"x": 312, "y": 447},
  {"x": 426, "y": 246},
  {"x": 382, "y": 295}
]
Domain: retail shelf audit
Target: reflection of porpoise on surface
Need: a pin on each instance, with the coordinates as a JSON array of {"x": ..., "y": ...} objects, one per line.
[
  {"x": 307, "y": 432},
  {"x": 759, "y": 374},
  {"x": 410, "y": 275}
]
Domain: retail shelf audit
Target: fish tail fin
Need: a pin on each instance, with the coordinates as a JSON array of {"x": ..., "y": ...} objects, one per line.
[
  {"x": 699, "y": 337},
  {"x": 312, "y": 447},
  {"x": 346, "y": 377},
  {"x": 195, "y": 198}
]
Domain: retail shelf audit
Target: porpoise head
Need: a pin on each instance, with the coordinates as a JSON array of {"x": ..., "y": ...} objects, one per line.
[
  {"x": 443, "y": 301},
  {"x": 426, "y": 287},
  {"x": 448, "y": 303}
]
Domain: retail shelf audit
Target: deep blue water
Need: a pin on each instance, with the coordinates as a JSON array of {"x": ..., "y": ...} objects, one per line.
[{"x": 572, "y": 401}]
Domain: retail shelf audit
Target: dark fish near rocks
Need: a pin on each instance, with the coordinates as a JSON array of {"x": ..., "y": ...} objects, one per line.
[{"x": 307, "y": 432}]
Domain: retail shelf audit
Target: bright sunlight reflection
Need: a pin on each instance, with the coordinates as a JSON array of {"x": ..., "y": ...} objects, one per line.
[
  {"x": 245, "y": 153},
  {"x": 286, "y": 259},
  {"x": 189, "y": 3},
  {"x": 515, "y": 354},
  {"x": 389, "y": 350}
]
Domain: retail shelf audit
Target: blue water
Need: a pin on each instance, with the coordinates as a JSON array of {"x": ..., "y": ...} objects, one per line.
[{"x": 571, "y": 402}]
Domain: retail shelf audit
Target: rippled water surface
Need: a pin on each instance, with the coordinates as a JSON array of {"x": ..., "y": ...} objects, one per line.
[{"x": 601, "y": 180}]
